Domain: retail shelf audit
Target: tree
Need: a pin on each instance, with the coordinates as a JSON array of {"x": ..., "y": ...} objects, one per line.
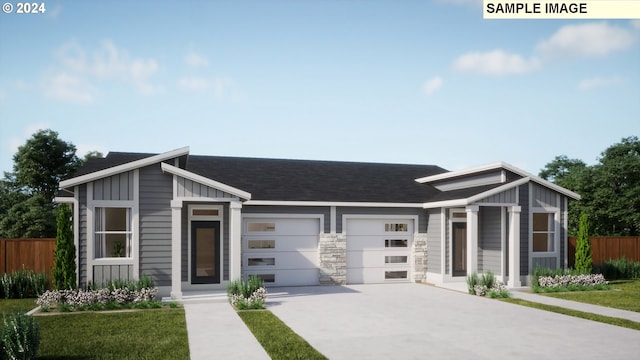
[
  {"x": 26, "y": 194},
  {"x": 610, "y": 189},
  {"x": 64, "y": 263},
  {"x": 583, "y": 247}
]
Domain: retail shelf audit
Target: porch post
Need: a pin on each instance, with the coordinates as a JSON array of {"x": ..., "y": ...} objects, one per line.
[
  {"x": 235, "y": 231},
  {"x": 176, "y": 249},
  {"x": 514, "y": 247},
  {"x": 472, "y": 238}
]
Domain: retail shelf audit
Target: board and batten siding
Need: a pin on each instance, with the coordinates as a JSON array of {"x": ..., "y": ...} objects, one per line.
[
  {"x": 549, "y": 262},
  {"x": 155, "y": 196},
  {"x": 188, "y": 188},
  {"x": 505, "y": 197},
  {"x": 82, "y": 239},
  {"x": 102, "y": 274},
  {"x": 325, "y": 211},
  {"x": 543, "y": 197},
  {"x": 116, "y": 187},
  {"x": 490, "y": 240},
  {"x": 420, "y": 213},
  {"x": 434, "y": 236}
]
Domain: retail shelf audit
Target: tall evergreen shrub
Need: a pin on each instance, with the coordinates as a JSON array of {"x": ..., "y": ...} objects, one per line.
[
  {"x": 583, "y": 247},
  {"x": 64, "y": 263}
]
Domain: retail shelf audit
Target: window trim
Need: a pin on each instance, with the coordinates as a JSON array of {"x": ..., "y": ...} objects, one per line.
[
  {"x": 556, "y": 231},
  {"x": 99, "y": 211}
]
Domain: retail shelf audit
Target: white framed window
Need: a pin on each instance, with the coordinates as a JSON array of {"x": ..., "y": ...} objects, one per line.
[
  {"x": 544, "y": 232},
  {"x": 112, "y": 232},
  {"x": 261, "y": 227},
  {"x": 396, "y": 227}
]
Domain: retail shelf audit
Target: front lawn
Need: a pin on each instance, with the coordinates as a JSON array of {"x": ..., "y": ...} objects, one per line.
[
  {"x": 278, "y": 340},
  {"x": 624, "y": 294},
  {"x": 143, "y": 334},
  {"x": 22, "y": 305}
]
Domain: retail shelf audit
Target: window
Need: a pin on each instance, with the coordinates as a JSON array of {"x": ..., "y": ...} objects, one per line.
[
  {"x": 543, "y": 232},
  {"x": 391, "y": 275},
  {"x": 396, "y": 243},
  {"x": 113, "y": 232},
  {"x": 205, "y": 212},
  {"x": 261, "y": 227},
  {"x": 261, "y": 244},
  {"x": 267, "y": 278},
  {"x": 395, "y": 259},
  {"x": 396, "y": 227},
  {"x": 261, "y": 261}
]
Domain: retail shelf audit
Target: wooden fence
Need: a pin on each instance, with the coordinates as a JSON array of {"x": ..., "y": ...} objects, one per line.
[
  {"x": 604, "y": 248},
  {"x": 34, "y": 254}
]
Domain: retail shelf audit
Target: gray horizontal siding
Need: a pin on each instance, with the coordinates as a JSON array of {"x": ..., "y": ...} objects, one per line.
[
  {"x": 155, "y": 195},
  {"x": 116, "y": 187},
  {"x": 434, "y": 236},
  {"x": 505, "y": 197},
  {"x": 325, "y": 211},
  {"x": 102, "y": 274},
  {"x": 490, "y": 240},
  {"x": 421, "y": 213},
  {"x": 492, "y": 177},
  {"x": 188, "y": 188}
]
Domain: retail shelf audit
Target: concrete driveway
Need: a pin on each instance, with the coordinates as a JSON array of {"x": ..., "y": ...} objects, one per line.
[{"x": 414, "y": 321}]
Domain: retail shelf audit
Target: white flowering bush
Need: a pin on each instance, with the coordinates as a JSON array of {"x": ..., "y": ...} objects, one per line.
[
  {"x": 110, "y": 297},
  {"x": 249, "y": 294},
  {"x": 487, "y": 285},
  {"x": 572, "y": 280}
]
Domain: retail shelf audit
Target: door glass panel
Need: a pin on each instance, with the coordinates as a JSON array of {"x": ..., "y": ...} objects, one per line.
[
  {"x": 205, "y": 252},
  {"x": 459, "y": 248}
]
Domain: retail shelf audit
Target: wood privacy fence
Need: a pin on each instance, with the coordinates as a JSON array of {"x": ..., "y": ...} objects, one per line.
[
  {"x": 34, "y": 254},
  {"x": 604, "y": 248}
]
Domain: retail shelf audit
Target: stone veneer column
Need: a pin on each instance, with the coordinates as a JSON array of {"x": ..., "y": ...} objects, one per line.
[
  {"x": 333, "y": 259},
  {"x": 419, "y": 252}
]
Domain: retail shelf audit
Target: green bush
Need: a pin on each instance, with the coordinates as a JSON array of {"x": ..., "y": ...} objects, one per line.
[
  {"x": 249, "y": 294},
  {"x": 64, "y": 262},
  {"x": 583, "y": 262},
  {"x": 22, "y": 284},
  {"x": 472, "y": 281},
  {"x": 619, "y": 269},
  {"x": 20, "y": 337}
]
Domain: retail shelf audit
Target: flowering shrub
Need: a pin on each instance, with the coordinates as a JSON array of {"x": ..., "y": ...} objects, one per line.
[
  {"x": 572, "y": 280},
  {"x": 95, "y": 299},
  {"x": 249, "y": 294},
  {"x": 486, "y": 285}
]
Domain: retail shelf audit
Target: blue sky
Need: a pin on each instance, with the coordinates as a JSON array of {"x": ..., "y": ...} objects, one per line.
[{"x": 425, "y": 82}]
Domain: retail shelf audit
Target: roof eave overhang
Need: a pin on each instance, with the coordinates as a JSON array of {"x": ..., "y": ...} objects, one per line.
[
  {"x": 124, "y": 167},
  {"x": 472, "y": 199},
  {"x": 205, "y": 181}
]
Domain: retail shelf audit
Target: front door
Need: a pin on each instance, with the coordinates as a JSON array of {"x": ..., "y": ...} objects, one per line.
[
  {"x": 205, "y": 252},
  {"x": 459, "y": 248}
]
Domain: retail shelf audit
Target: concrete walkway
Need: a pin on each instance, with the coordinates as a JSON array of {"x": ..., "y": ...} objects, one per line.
[{"x": 216, "y": 331}]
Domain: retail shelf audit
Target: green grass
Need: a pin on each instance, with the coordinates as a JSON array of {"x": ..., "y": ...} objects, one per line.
[
  {"x": 624, "y": 294},
  {"x": 278, "y": 340},
  {"x": 144, "y": 334},
  {"x": 11, "y": 305},
  {"x": 579, "y": 314}
]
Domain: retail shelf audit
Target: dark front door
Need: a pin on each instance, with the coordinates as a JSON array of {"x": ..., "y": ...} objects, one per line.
[
  {"x": 459, "y": 248},
  {"x": 205, "y": 252}
]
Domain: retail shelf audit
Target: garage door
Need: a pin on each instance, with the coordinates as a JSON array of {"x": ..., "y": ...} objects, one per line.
[
  {"x": 379, "y": 250},
  {"x": 281, "y": 251}
]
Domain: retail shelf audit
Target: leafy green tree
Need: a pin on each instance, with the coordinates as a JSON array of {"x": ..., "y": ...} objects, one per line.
[
  {"x": 583, "y": 247},
  {"x": 27, "y": 193},
  {"x": 64, "y": 263}
]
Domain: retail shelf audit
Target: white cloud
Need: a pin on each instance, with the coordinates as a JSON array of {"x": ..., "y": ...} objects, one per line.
[
  {"x": 598, "y": 82},
  {"x": 497, "y": 62},
  {"x": 224, "y": 87},
  {"x": 195, "y": 60},
  {"x": 432, "y": 85},
  {"x": 590, "y": 39},
  {"x": 193, "y": 84},
  {"x": 72, "y": 79},
  {"x": 69, "y": 88}
]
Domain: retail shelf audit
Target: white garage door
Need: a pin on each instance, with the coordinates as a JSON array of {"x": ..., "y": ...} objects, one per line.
[
  {"x": 281, "y": 251},
  {"x": 379, "y": 250}
]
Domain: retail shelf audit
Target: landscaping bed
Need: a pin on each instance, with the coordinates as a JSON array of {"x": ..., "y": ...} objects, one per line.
[{"x": 623, "y": 294}]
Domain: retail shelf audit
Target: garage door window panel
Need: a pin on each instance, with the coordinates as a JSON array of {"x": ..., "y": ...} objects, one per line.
[
  {"x": 396, "y": 243},
  {"x": 395, "y": 259},
  {"x": 396, "y": 227},
  {"x": 261, "y": 227},
  {"x": 261, "y": 261},
  {"x": 395, "y": 275},
  {"x": 261, "y": 244}
]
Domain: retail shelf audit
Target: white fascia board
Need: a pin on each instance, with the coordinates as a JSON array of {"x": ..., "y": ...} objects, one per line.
[
  {"x": 498, "y": 165},
  {"x": 446, "y": 203},
  {"x": 498, "y": 190},
  {"x": 205, "y": 181},
  {"x": 332, "y": 203},
  {"x": 124, "y": 167},
  {"x": 63, "y": 200}
]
